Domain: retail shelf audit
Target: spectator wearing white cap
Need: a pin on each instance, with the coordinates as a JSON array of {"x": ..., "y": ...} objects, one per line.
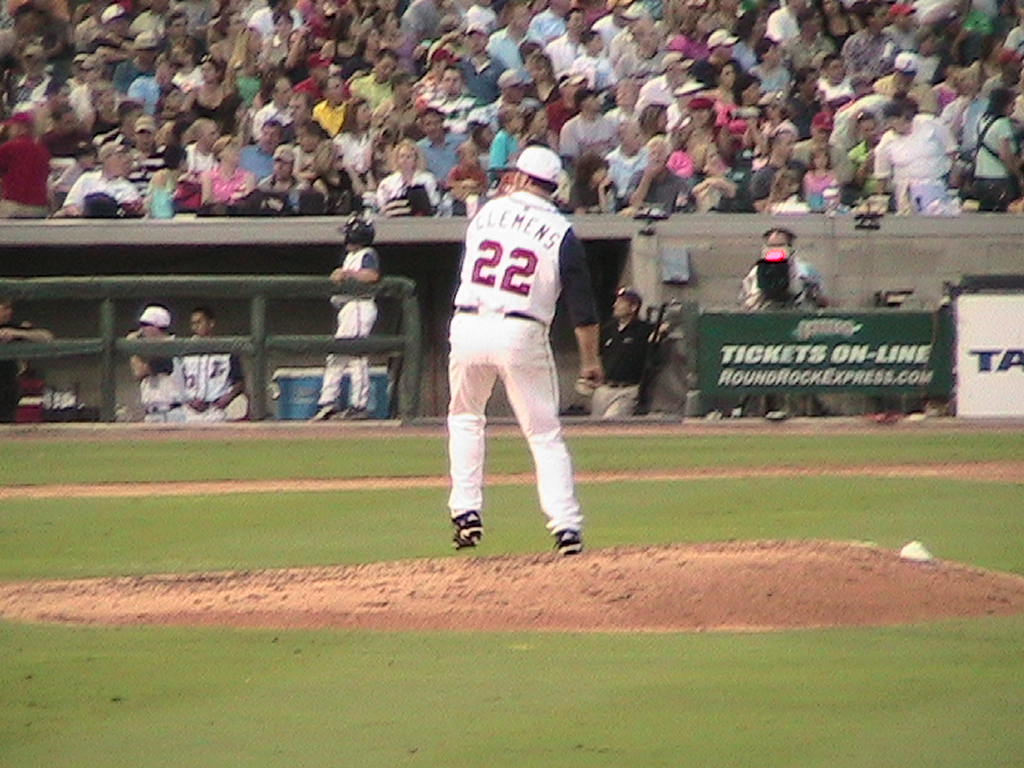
[
  {"x": 481, "y": 15},
  {"x": 679, "y": 109},
  {"x": 512, "y": 85},
  {"x": 901, "y": 82},
  {"x": 633, "y": 15},
  {"x": 720, "y": 43},
  {"x": 281, "y": 188},
  {"x": 564, "y": 107},
  {"x": 91, "y": 25},
  {"x": 564, "y": 49},
  {"x": 147, "y": 157},
  {"x": 143, "y": 61},
  {"x": 660, "y": 89},
  {"x": 113, "y": 37},
  {"x": 161, "y": 382},
  {"x": 479, "y": 70}
]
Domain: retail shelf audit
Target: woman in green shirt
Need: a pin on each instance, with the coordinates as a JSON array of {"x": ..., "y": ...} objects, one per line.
[{"x": 997, "y": 159}]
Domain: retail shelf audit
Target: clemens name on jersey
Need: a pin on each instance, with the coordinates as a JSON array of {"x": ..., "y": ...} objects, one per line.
[{"x": 546, "y": 232}]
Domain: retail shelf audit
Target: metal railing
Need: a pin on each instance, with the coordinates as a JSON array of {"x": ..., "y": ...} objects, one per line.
[{"x": 109, "y": 346}]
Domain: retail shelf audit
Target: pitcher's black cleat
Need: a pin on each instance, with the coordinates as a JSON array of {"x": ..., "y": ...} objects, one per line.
[
  {"x": 469, "y": 529},
  {"x": 568, "y": 542}
]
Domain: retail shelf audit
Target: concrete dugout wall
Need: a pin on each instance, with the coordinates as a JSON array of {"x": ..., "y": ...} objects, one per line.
[{"x": 914, "y": 254}]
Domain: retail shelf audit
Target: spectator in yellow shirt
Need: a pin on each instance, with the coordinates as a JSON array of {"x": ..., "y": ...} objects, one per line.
[
  {"x": 375, "y": 87},
  {"x": 330, "y": 112}
]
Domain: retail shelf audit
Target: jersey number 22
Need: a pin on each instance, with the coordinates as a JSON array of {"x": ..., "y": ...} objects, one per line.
[{"x": 517, "y": 276}]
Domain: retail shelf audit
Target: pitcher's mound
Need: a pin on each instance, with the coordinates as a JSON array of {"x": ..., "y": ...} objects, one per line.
[{"x": 743, "y": 586}]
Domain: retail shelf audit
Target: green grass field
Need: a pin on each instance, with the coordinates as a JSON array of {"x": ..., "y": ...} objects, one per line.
[{"x": 942, "y": 694}]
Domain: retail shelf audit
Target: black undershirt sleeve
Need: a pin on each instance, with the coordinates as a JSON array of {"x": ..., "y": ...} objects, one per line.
[
  {"x": 235, "y": 373},
  {"x": 575, "y": 277}
]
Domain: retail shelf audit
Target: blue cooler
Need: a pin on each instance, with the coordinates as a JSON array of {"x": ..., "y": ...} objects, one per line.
[
  {"x": 297, "y": 391},
  {"x": 378, "y": 404}
]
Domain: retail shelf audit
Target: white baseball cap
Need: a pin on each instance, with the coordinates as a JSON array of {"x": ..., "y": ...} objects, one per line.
[
  {"x": 721, "y": 37},
  {"x": 111, "y": 12},
  {"x": 634, "y": 12},
  {"x": 540, "y": 163},
  {"x": 905, "y": 62},
  {"x": 155, "y": 315},
  {"x": 689, "y": 88}
]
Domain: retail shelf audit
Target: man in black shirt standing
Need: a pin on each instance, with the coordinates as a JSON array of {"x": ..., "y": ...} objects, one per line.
[
  {"x": 11, "y": 331},
  {"x": 625, "y": 341}
]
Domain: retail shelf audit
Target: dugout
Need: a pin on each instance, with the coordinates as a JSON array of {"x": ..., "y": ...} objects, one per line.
[{"x": 916, "y": 257}]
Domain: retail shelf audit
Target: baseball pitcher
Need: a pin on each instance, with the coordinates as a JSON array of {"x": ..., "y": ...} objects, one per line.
[{"x": 520, "y": 255}]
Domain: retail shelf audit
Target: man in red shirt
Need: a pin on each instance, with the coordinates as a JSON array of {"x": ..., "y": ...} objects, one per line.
[
  {"x": 561, "y": 110},
  {"x": 24, "y": 170},
  {"x": 319, "y": 68}
]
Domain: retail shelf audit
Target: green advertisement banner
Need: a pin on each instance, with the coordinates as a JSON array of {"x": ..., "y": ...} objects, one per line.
[{"x": 887, "y": 351}]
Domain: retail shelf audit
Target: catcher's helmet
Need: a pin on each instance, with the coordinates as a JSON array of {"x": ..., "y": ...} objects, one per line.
[{"x": 358, "y": 231}]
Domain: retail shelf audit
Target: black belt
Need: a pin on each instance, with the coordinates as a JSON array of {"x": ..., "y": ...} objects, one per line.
[
  {"x": 517, "y": 315},
  {"x": 619, "y": 384}
]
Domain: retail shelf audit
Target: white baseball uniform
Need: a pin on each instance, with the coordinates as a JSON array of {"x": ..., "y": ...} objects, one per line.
[
  {"x": 162, "y": 392},
  {"x": 521, "y": 254},
  {"x": 208, "y": 378},
  {"x": 355, "y": 320}
]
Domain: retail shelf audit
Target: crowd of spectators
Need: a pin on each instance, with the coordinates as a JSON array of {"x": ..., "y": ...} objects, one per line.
[{"x": 416, "y": 107}]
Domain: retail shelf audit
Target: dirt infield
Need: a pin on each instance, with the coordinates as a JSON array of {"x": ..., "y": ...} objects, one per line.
[{"x": 746, "y": 586}]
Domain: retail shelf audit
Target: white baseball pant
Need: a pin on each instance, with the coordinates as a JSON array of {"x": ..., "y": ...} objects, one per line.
[
  {"x": 484, "y": 347},
  {"x": 355, "y": 320},
  {"x": 161, "y": 395},
  {"x": 211, "y": 415}
]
